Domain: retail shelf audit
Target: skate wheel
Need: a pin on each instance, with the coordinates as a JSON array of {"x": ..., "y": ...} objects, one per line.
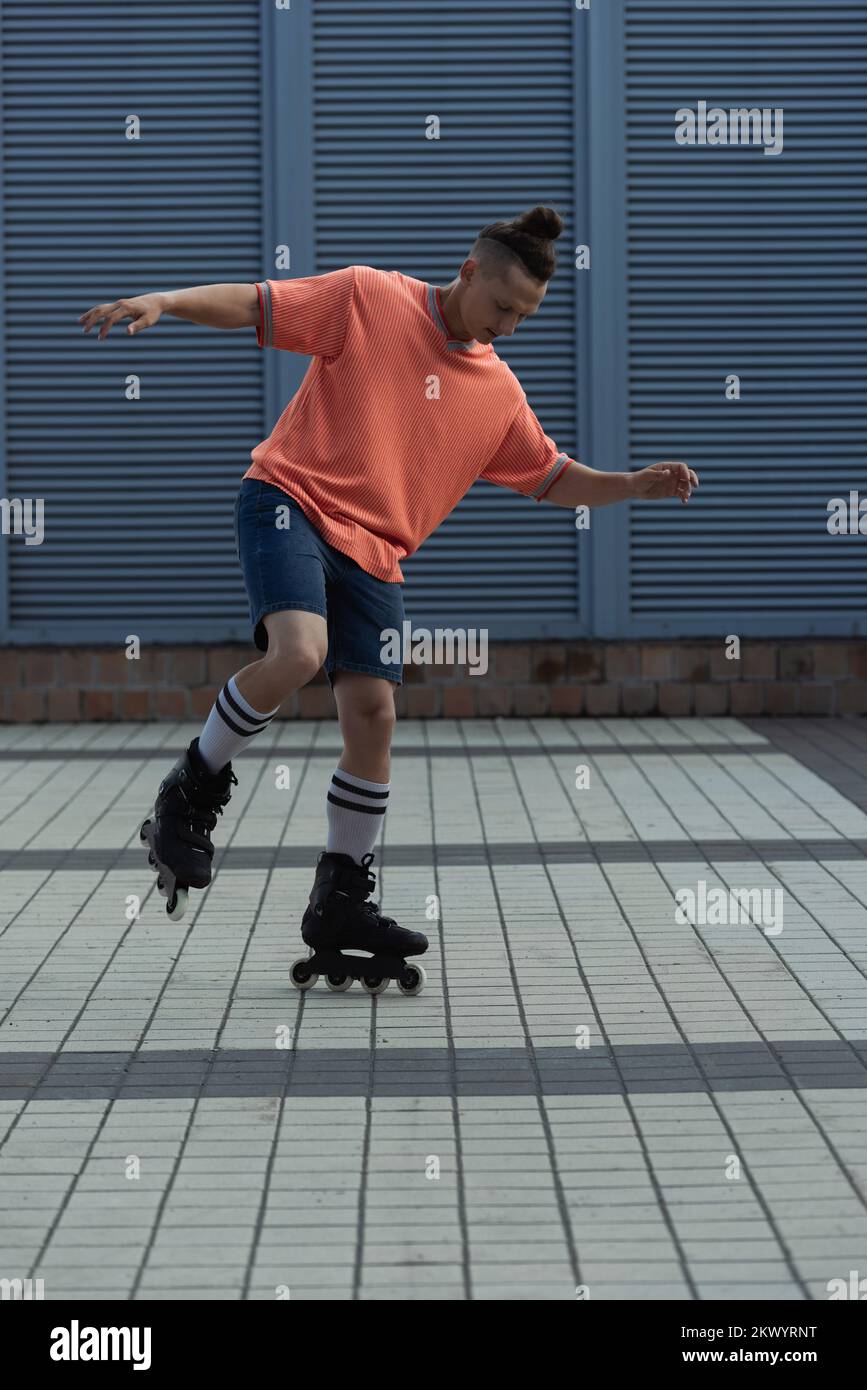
[
  {"x": 151, "y": 860},
  {"x": 374, "y": 985},
  {"x": 142, "y": 834},
  {"x": 413, "y": 982},
  {"x": 301, "y": 976},
  {"x": 338, "y": 984},
  {"x": 161, "y": 885},
  {"x": 177, "y": 904}
]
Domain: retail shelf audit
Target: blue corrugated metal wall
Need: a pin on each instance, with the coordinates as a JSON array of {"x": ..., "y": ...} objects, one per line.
[
  {"x": 749, "y": 264},
  {"x": 305, "y": 128},
  {"x": 138, "y": 492}
]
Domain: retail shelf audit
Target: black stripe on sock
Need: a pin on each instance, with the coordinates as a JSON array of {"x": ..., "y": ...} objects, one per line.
[
  {"x": 242, "y": 713},
  {"x": 359, "y": 791},
  {"x": 353, "y": 806},
  {"x": 236, "y": 728}
]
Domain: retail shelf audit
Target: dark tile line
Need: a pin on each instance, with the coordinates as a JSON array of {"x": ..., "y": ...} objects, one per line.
[
  {"x": 441, "y": 750},
  {"x": 607, "y": 1069},
  {"x": 424, "y": 856}
]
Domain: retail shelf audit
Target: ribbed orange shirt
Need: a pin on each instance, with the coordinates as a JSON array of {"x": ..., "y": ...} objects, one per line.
[{"x": 394, "y": 419}]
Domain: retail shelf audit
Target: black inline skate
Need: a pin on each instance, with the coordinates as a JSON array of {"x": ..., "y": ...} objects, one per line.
[
  {"x": 340, "y": 920},
  {"x": 178, "y": 832}
]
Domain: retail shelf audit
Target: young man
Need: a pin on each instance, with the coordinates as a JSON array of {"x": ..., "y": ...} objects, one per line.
[{"x": 404, "y": 405}]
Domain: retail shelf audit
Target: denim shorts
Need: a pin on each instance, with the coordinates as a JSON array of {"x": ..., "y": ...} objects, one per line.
[{"x": 294, "y": 567}]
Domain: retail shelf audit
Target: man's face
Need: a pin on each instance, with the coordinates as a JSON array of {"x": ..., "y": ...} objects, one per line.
[{"x": 494, "y": 308}]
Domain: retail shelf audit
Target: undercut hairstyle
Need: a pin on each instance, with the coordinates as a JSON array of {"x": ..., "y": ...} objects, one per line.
[{"x": 526, "y": 241}]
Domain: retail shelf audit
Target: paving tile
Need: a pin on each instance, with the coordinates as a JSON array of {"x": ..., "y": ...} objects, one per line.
[{"x": 458, "y": 1144}]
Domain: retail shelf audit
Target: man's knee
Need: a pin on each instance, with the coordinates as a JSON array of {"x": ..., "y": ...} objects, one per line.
[
  {"x": 296, "y": 665},
  {"x": 369, "y": 715},
  {"x": 297, "y": 645}
]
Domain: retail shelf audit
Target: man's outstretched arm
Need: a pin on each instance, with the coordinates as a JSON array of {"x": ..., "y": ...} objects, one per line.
[
  {"x": 218, "y": 306},
  {"x": 580, "y": 486},
  {"x": 528, "y": 459}
]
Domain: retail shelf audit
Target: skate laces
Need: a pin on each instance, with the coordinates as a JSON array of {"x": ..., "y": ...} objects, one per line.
[
  {"x": 371, "y": 909},
  {"x": 203, "y": 808}
]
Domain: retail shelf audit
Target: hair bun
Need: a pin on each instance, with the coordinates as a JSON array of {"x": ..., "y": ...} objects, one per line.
[{"x": 541, "y": 222}]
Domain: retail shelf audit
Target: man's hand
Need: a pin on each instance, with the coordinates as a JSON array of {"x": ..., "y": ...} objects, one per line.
[
  {"x": 664, "y": 480},
  {"x": 144, "y": 311}
]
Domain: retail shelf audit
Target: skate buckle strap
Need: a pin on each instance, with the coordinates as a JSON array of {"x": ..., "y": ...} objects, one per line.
[{"x": 201, "y": 799}]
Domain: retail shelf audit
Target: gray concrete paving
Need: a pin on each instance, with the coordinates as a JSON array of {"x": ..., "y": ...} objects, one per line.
[{"x": 595, "y": 1096}]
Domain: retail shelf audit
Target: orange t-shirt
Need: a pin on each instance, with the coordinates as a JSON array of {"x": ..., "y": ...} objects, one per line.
[{"x": 394, "y": 420}]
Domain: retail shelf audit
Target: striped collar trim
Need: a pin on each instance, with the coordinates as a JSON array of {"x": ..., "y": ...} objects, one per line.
[{"x": 435, "y": 311}]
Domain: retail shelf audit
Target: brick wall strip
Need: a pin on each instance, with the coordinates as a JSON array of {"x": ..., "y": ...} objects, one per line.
[{"x": 523, "y": 679}]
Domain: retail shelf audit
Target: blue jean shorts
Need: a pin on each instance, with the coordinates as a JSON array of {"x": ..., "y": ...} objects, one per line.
[{"x": 294, "y": 567}]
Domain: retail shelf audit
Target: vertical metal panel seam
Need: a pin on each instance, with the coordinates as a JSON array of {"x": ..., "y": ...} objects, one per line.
[
  {"x": 582, "y": 300},
  {"x": 608, "y": 433},
  {"x": 287, "y": 167}
]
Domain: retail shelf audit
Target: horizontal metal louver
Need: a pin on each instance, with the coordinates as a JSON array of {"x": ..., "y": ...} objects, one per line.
[
  {"x": 499, "y": 75},
  {"x": 755, "y": 265},
  {"x": 138, "y": 494},
  {"x": 735, "y": 263}
]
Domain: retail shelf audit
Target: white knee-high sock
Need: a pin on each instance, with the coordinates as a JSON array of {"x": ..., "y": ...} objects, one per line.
[
  {"x": 355, "y": 810},
  {"x": 229, "y": 726}
]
